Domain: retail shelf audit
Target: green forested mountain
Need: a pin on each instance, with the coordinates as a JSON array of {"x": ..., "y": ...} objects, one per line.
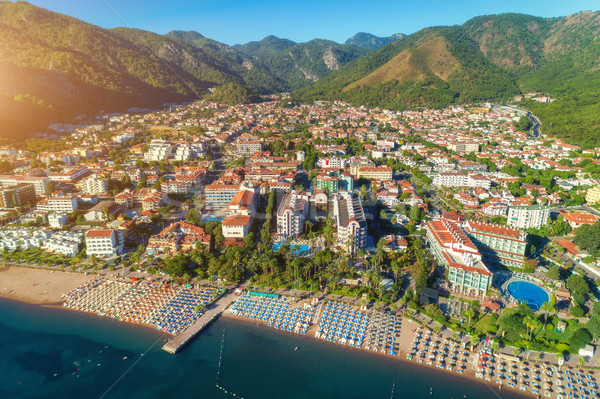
[
  {"x": 267, "y": 46},
  {"x": 558, "y": 56},
  {"x": 53, "y": 67},
  {"x": 434, "y": 67},
  {"x": 372, "y": 42},
  {"x": 298, "y": 64},
  {"x": 489, "y": 57}
]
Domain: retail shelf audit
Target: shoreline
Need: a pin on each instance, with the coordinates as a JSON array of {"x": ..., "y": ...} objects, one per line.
[
  {"x": 45, "y": 288},
  {"x": 38, "y": 286},
  {"x": 59, "y": 306},
  {"x": 469, "y": 373}
]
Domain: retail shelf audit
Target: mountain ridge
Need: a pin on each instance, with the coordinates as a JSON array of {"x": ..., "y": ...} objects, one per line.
[
  {"x": 55, "y": 67},
  {"x": 372, "y": 42}
]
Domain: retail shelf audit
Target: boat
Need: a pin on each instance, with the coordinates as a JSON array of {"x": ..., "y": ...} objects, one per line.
[{"x": 296, "y": 348}]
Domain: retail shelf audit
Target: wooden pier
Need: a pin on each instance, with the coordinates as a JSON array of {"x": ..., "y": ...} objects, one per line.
[{"x": 209, "y": 315}]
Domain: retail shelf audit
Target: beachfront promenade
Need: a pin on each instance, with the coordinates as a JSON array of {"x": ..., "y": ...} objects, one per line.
[{"x": 209, "y": 315}]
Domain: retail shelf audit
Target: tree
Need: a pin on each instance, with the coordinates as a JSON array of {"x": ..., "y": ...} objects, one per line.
[
  {"x": 193, "y": 217},
  {"x": 469, "y": 313},
  {"x": 178, "y": 265},
  {"x": 414, "y": 214},
  {"x": 587, "y": 237},
  {"x": 576, "y": 311},
  {"x": 49, "y": 187},
  {"x": 578, "y": 285},
  {"x": 531, "y": 322},
  {"x": 434, "y": 311},
  {"x": 546, "y": 308},
  {"x": 553, "y": 273}
]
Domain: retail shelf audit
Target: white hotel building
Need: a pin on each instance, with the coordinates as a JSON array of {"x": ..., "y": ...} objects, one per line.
[
  {"x": 104, "y": 243},
  {"x": 291, "y": 214}
]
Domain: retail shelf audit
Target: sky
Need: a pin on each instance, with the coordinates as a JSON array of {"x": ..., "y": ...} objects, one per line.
[{"x": 241, "y": 21}]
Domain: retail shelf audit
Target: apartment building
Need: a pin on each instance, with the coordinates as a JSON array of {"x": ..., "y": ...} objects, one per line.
[
  {"x": 350, "y": 220},
  {"x": 383, "y": 173},
  {"x": 593, "y": 195},
  {"x": 68, "y": 175},
  {"x": 291, "y": 215},
  {"x": 67, "y": 204},
  {"x": 237, "y": 226},
  {"x": 499, "y": 245},
  {"x": 220, "y": 195},
  {"x": 39, "y": 183},
  {"x": 461, "y": 180},
  {"x": 463, "y": 147},
  {"x": 104, "y": 243},
  {"x": 332, "y": 162},
  {"x": 247, "y": 147},
  {"x": 65, "y": 243},
  {"x": 467, "y": 274},
  {"x": 185, "y": 152},
  {"x": 525, "y": 217},
  {"x": 159, "y": 150},
  {"x": 93, "y": 185},
  {"x": 19, "y": 196}
]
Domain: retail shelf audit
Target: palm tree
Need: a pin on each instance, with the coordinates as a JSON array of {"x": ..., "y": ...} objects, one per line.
[
  {"x": 532, "y": 323},
  {"x": 310, "y": 225},
  {"x": 547, "y": 307},
  {"x": 474, "y": 340},
  {"x": 470, "y": 313}
]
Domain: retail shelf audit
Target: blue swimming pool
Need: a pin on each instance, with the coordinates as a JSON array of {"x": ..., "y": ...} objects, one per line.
[
  {"x": 296, "y": 249},
  {"x": 212, "y": 219},
  {"x": 528, "y": 292}
]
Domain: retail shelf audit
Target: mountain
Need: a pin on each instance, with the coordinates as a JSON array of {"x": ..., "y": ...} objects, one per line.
[
  {"x": 372, "y": 42},
  {"x": 299, "y": 64},
  {"x": 433, "y": 67},
  {"x": 55, "y": 67},
  {"x": 267, "y": 46},
  {"x": 487, "y": 58},
  {"x": 558, "y": 56}
]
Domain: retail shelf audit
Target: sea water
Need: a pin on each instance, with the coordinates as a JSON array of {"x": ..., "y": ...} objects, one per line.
[{"x": 54, "y": 353}]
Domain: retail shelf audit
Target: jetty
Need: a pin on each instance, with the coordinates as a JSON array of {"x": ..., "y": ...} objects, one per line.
[{"x": 209, "y": 315}]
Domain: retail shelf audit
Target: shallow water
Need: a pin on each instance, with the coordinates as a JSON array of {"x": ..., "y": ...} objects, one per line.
[{"x": 55, "y": 353}]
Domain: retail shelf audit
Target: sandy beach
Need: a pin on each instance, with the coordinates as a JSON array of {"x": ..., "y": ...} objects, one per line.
[{"x": 38, "y": 286}]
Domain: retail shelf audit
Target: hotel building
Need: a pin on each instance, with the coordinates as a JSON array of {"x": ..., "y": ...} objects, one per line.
[
  {"x": 525, "y": 217},
  {"x": 350, "y": 220},
  {"x": 467, "y": 274},
  {"x": 498, "y": 244},
  {"x": 104, "y": 243},
  {"x": 291, "y": 214}
]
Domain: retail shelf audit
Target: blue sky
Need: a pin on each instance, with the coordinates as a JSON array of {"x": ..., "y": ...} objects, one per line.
[{"x": 240, "y": 21}]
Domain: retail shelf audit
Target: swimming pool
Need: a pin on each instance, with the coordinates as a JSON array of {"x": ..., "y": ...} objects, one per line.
[
  {"x": 528, "y": 292},
  {"x": 212, "y": 219},
  {"x": 296, "y": 249}
]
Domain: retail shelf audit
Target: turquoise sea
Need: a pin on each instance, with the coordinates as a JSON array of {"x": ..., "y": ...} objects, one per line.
[{"x": 54, "y": 353}]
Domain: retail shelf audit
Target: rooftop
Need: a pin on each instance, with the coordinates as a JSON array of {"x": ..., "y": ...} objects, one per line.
[{"x": 98, "y": 233}]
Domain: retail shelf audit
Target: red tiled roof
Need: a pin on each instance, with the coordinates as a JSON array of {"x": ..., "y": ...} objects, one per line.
[
  {"x": 98, "y": 233},
  {"x": 495, "y": 229},
  {"x": 569, "y": 246},
  {"x": 453, "y": 215},
  {"x": 580, "y": 217},
  {"x": 236, "y": 220}
]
